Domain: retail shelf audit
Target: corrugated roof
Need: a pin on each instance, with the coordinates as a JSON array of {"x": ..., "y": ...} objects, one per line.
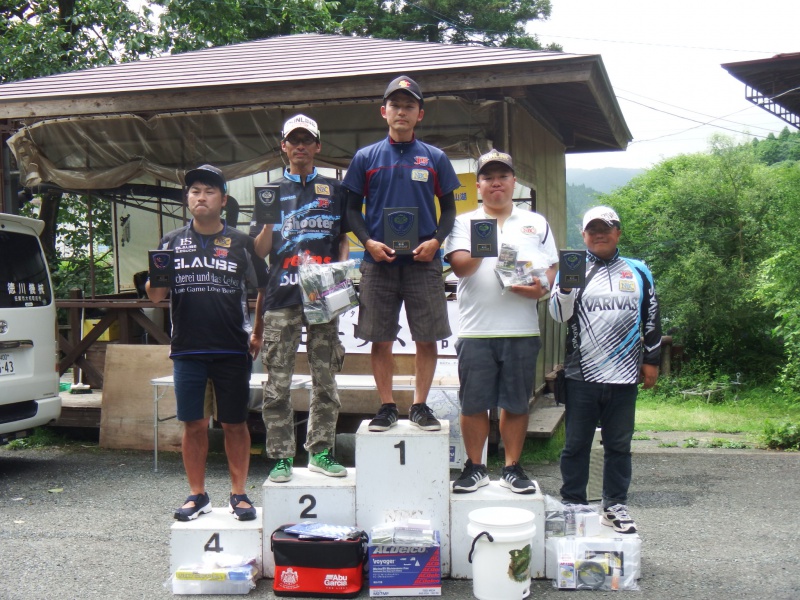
[{"x": 273, "y": 60}]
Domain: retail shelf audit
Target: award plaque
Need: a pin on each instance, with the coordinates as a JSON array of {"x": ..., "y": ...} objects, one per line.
[
  {"x": 572, "y": 268},
  {"x": 162, "y": 268},
  {"x": 267, "y": 204},
  {"x": 483, "y": 236},
  {"x": 401, "y": 229}
]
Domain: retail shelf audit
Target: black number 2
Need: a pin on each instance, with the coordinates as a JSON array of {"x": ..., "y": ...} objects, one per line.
[
  {"x": 312, "y": 502},
  {"x": 401, "y": 445}
]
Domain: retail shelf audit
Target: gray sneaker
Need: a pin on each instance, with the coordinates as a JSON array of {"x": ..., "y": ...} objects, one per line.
[
  {"x": 514, "y": 478},
  {"x": 471, "y": 478},
  {"x": 385, "y": 419},
  {"x": 422, "y": 416}
]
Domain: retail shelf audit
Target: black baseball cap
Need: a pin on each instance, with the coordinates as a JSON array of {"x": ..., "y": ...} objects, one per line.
[
  {"x": 208, "y": 174},
  {"x": 404, "y": 83}
]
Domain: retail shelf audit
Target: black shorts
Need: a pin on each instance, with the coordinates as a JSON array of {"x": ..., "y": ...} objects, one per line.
[{"x": 229, "y": 379}]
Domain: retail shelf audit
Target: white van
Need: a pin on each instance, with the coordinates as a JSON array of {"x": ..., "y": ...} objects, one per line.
[{"x": 28, "y": 355}]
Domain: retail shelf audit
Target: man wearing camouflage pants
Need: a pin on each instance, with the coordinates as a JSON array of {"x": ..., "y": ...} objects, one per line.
[{"x": 313, "y": 228}]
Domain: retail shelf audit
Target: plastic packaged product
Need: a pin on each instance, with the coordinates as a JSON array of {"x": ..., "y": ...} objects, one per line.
[
  {"x": 514, "y": 269},
  {"x": 327, "y": 289}
]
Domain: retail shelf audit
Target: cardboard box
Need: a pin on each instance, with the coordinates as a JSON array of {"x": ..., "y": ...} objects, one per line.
[{"x": 396, "y": 570}]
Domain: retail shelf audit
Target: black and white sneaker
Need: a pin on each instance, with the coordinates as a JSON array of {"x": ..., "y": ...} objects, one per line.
[
  {"x": 514, "y": 478},
  {"x": 422, "y": 416},
  {"x": 385, "y": 419},
  {"x": 617, "y": 516},
  {"x": 202, "y": 504},
  {"x": 471, "y": 478}
]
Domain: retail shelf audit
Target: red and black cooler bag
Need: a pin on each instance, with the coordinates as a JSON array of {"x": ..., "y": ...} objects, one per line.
[{"x": 317, "y": 567}]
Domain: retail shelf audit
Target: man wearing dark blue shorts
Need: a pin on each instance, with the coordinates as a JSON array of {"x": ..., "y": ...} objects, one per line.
[
  {"x": 211, "y": 348},
  {"x": 498, "y": 338},
  {"x": 401, "y": 171}
]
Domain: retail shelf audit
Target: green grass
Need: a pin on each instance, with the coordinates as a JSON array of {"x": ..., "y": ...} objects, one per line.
[{"x": 666, "y": 410}]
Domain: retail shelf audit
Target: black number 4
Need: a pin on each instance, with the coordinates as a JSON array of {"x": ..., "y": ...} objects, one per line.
[{"x": 212, "y": 545}]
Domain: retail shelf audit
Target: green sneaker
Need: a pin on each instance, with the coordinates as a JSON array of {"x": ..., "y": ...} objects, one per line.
[
  {"x": 282, "y": 471},
  {"x": 324, "y": 462}
]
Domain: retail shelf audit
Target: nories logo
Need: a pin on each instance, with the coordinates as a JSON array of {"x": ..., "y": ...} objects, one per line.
[{"x": 307, "y": 222}]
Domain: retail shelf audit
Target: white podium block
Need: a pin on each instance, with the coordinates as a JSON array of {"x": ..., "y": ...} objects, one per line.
[
  {"x": 405, "y": 474},
  {"x": 307, "y": 496},
  {"x": 492, "y": 495},
  {"x": 215, "y": 532}
]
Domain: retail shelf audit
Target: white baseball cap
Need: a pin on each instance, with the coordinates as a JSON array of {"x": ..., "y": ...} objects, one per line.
[
  {"x": 603, "y": 213},
  {"x": 300, "y": 122}
]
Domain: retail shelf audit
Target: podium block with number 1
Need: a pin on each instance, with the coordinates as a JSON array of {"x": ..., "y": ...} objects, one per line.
[{"x": 404, "y": 473}]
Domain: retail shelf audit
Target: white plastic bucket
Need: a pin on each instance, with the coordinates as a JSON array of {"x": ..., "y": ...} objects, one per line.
[{"x": 501, "y": 552}]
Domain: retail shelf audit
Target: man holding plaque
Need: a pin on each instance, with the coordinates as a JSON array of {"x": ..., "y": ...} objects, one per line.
[
  {"x": 312, "y": 229},
  {"x": 498, "y": 339},
  {"x": 613, "y": 342},
  {"x": 397, "y": 179},
  {"x": 214, "y": 265}
]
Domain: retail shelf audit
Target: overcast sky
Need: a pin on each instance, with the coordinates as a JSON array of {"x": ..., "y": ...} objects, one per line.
[{"x": 665, "y": 57}]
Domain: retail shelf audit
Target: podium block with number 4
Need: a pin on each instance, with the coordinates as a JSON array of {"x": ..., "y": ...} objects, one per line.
[
  {"x": 404, "y": 473},
  {"x": 212, "y": 534}
]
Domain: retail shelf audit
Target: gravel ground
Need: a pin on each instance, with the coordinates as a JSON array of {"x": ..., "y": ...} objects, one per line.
[{"x": 716, "y": 523}]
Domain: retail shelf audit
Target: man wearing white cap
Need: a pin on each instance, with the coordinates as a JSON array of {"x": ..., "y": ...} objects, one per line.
[
  {"x": 613, "y": 339},
  {"x": 313, "y": 227}
]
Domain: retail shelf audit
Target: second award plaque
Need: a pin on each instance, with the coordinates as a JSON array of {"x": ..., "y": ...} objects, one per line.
[
  {"x": 267, "y": 204},
  {"x": 483, "y": 235},
  {"x": 401, "y": 229}
]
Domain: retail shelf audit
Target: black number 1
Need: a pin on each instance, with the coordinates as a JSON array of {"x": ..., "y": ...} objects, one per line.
[{"x": 401, "y": 445}]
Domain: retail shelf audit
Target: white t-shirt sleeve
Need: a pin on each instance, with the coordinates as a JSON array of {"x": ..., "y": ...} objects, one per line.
[{"x": 459, "y": 237}]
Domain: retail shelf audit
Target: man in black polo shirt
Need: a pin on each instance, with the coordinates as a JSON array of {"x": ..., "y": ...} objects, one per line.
[{"x": 211, "y": 337}]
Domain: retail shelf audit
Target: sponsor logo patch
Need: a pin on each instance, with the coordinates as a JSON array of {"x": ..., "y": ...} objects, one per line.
[
  {"x": 419, "y": 175},
  {"x": 627, "y": 286},
  {"x": 322, "y": 188},
  {"x": 528, "y": 230},
  {"x": 223, "y": 241}
]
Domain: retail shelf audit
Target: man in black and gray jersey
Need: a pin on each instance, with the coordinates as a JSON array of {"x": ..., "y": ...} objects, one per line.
[{"x": 614, "y": 338}]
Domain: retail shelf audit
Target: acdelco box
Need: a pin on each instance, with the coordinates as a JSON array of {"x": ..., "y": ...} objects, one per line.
[{"x": 397, "y": 570}]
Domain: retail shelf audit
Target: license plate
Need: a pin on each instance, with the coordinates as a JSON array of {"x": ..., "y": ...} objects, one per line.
[{"x": 6, "y": 364}]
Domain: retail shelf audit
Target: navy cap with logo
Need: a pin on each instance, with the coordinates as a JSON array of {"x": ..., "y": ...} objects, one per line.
[
  {"x": 207, "y": 174},
  {"x": 404, "y": 83},
  {"x": 494, "y": 156}
]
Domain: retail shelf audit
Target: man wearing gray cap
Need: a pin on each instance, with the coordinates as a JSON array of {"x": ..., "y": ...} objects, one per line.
[
  {"x": 214, "y": 264},
  {"x": 498, "y": 336},
  {"x": 613, "y": 342},
  {"x": 400, "y": 171}
]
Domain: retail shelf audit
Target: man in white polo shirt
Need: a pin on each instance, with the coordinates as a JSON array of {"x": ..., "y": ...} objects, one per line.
[{"x": 498, "y": 339}]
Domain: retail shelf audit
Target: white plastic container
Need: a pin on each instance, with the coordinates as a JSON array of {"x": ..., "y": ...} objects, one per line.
[{"x": 501, "y": 552}]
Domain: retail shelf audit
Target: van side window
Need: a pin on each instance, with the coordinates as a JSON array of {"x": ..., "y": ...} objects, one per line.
[{"x": 23, "y": 274}]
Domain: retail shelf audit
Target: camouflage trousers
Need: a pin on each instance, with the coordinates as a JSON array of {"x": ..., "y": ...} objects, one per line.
[{"x": 282, "y": 336}]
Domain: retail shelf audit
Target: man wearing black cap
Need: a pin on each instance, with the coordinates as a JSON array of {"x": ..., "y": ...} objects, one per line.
[
  {"x": 401, "y": 171},
  {"x": 313, "y": 227},
  {"x": 214, "y": 265},
  {"x": 613, "y": 341},
  {"x": 498, "y": 335}
]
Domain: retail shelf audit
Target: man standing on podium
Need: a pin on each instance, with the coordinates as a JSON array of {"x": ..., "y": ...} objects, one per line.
[
  {"x": 214, "y": 264},
  {"x": 400, "y": 171},
  {"x": 313, "y": 227},
  {"x": 498, "y": 337}
]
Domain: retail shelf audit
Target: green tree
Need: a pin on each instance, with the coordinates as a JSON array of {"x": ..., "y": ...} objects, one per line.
[
  {"x": 579, "y": 199},
  {"x": 498, "y": 23},
  {"x": 699, "y": 222},
  {"x": 48, "y": 37}
]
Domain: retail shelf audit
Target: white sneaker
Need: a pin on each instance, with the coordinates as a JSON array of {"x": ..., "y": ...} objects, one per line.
[{"x": 617, "y": 516}]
